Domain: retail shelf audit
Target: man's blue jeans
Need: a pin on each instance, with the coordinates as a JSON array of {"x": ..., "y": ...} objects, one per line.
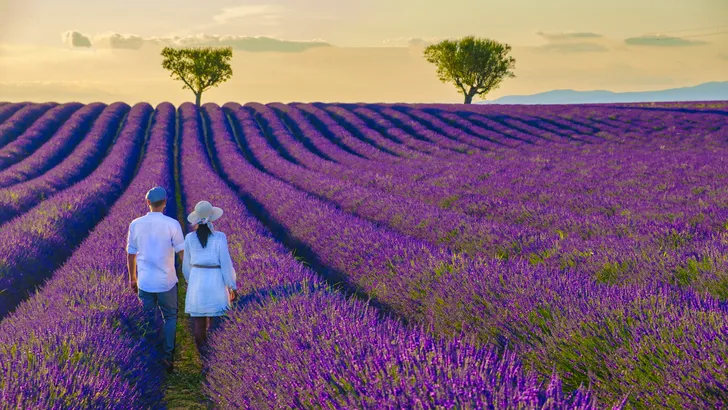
[{"x": 167, "y": 303}]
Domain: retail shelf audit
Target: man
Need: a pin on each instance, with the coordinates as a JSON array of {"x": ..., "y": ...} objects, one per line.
[{"x": 152, "y": 242}]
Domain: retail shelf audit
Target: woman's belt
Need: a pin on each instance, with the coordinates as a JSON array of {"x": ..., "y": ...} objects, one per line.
[{"x": 206, "y": 266}]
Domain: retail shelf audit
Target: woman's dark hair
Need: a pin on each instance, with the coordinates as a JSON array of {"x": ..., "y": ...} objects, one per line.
[{"x": 203, "y": 232}]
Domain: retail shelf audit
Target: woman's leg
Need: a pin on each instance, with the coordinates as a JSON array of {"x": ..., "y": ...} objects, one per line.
[
  {"x": 199, "y": 330},
  {"x": 214, "y": 323}
]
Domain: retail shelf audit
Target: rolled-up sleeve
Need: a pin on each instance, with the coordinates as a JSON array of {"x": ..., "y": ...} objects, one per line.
[
  {"x": 226, "y": 264},
  {"x": 186, "y": 261},
  {"x": 131, "y": 246},
  {"x": 178, "y": 239}
]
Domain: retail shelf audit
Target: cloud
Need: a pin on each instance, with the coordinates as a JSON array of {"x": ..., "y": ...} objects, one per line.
[
  {"x": 723, "y": 56},
  {"x": 418, "y": 42},
  {"x": 568, "y": 36},
  {"x": 413, "y": 42},
  {"x": 259, "y": 11},
  {"x": 573, "y": 48},
  {"x": 75, "y": 39},
  {"x": 118, "y": 41},
  {"x": 661, "y": 40},
  {"x": 572, "y": 42},
  {"x": 242, "y": 43}
]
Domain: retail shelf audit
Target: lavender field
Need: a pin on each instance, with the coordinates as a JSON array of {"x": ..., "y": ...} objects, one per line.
[{"x": 389, "y": 255}]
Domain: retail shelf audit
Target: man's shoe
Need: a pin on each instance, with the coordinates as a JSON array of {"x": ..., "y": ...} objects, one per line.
[{"x": 168, "y": 365}]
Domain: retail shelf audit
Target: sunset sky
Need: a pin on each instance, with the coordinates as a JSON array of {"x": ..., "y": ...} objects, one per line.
[{"x": 336, "y": 50}]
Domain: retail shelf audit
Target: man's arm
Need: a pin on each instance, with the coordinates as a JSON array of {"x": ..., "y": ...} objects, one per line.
[
  {"x": 178, "y": 241},
  {"x": 131, "y": 267},
  {"x": 181, "y": 257},
  {"x": 131, "y": 260}
]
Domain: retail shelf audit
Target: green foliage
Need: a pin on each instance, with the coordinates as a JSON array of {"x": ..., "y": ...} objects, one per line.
[
  {"x": 536, "y": 258},
  {"x": 612, "y": 272},
  {"x": 448, "y": 202},
  {"x": 199, "y": 68},
  {"x": 675, "y": 240},
  {"x": 475, "y": 65},
  {"x": 574, "y": 258},
  {"x": 684, "y": 276}
]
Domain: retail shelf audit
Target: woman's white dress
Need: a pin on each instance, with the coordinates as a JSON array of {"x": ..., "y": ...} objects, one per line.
[{"x": 207, "y": 293}]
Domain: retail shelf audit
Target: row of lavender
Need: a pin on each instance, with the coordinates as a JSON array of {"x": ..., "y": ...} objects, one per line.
[
  {"x": 461, "y": 191},
  {"x": 40, "y": 240},
  {"x": 92, "y": 353},
  {"x": 651, "y": 208},
  {"x": 32, "y": 137},
  {"x": 531, "y": 308},
  {"x": 403, "y": 127},
  {"x": 11, "y": 127},
  {"x": 86, "y": 156},
  {"x": 396, "y": 129},
  {"x": 472, "y": 203},
  {"x": 302, "y": 345},
  {"x": 317, "y": 176},
  {"x": 39, "y": 148},
  {"x": 476, "y": 205},
  {"x": 496, "y": 126},
  {"x": 8, "y": 110},
  {"x": 502, "y": 187},
  {"x": 82, "y": 341},
  {"x": 536, "y": 203},
  {"x": 405, "y": 224}
]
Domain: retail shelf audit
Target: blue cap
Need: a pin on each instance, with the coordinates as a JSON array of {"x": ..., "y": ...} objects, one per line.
[{"x": 156, "y": 194}]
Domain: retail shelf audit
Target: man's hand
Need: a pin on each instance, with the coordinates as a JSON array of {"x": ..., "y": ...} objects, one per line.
[
  {"x": 232, "y": 295},
  {"x": 133, "y": 286}
]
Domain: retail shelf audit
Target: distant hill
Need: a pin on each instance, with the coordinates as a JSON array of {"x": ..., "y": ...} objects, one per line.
[{"x": 714, "y": 91}]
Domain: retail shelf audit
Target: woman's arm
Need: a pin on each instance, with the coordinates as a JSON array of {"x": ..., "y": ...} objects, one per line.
[
  {"x": 186, "y": 262},
  {"x": 226, "y": 264}
]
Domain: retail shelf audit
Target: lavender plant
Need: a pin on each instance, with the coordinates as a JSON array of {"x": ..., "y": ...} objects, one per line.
[
  {"x": 43, "y": 238},
  {"x": 310, "y": 353},
  {"x": 36, "y": 134},
  {"x": 512, "y": 257},
  {"x": 54, "y": 150},
  {"x": 89, "y": 153},
  {"x": 21, "y": 120},
  {"x": 429, "y": 286},
  {"x": 7, "y": 110},
  {"x": 82, "y": 341}
]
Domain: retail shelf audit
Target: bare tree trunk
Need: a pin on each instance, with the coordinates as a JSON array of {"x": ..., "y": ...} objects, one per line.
[
  {"x": 470, "y": 94},
  {"x": 198, "y": 98}
]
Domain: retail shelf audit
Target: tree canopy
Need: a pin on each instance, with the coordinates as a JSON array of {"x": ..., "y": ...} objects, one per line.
[
  {"x": 199, "y": 68},
  {"x": 475, "y": 65}
]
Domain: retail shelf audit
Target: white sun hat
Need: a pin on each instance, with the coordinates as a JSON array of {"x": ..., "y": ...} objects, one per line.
[{"x": 204, "y": 212}]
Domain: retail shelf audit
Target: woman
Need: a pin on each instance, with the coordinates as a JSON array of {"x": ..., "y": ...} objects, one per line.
[{"x": 208, "y": 270}]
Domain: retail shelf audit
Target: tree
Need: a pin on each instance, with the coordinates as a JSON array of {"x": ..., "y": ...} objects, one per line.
[
  {"x": 476, "y": 66},
  {"x": 199, "y": 68}
]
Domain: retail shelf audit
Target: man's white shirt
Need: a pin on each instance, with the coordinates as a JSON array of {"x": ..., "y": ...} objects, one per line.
[{"x": 154, "y": 238}]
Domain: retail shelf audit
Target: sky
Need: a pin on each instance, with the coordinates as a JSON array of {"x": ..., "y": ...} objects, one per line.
[{"x": 353, "y": 50}]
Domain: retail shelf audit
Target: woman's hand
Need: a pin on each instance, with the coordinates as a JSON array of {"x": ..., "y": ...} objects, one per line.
[{"x": 232, "y": 294}]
